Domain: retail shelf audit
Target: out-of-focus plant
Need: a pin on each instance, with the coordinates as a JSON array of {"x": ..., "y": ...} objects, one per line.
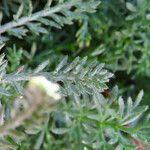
[{"x": 30, "y": 111}]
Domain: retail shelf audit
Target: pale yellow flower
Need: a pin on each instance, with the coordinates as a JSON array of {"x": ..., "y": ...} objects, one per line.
[{"x": 51, "y": 89}]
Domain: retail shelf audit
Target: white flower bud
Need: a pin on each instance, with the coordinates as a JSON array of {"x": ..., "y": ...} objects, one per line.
[{"x": 46, "y": 86}]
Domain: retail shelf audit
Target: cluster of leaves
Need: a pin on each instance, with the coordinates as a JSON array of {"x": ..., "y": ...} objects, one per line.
[
  {"x": 98, "y": 122},
  {"x": 89, "y": 115},
  {"x": 121, "y": 32},
  {"x": 55, "y": 16},
  {"x": 124, "y": 27},
  {"x": 88, "y": 118},
  {"x": 117, "y": 34}
]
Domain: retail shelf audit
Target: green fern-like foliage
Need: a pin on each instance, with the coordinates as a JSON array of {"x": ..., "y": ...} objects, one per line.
[
  {"x": 77, "y": 77},
  {"x": 56, "y": 16},
  {"x": 91, "y": 121},
  {"x": 89, "y": 115},
  {"x": 81, "y": 76},
  {"x": 98, "y": 122},
  {"x": 120, "y": 29}
]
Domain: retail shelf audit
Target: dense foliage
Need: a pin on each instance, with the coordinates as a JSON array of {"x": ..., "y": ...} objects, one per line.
[{"x": 96, "y": 53}]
